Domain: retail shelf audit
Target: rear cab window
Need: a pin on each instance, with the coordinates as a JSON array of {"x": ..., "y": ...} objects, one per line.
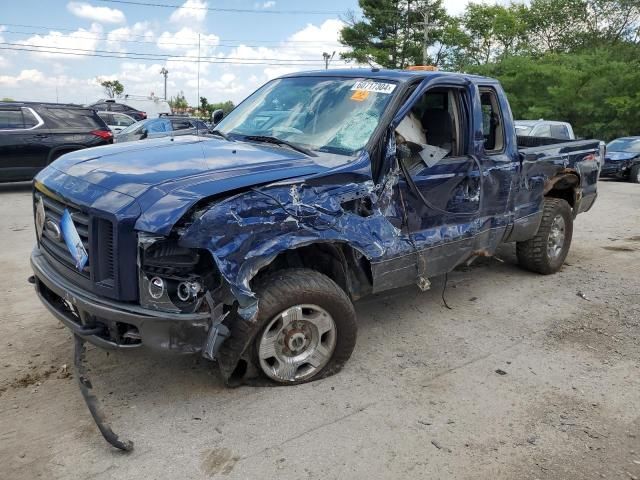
[
  {"x": 492, "y": 121},
  {"x": 73, "y": 118},
  {"x": 181, "y": 124}
]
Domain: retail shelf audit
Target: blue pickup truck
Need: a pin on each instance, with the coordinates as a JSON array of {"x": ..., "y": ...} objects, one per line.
[{"x": 250, "y": 246}]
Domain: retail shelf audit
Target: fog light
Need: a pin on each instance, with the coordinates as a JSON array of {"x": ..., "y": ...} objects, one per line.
[
  {"x": 188, "y": 290},
  {"x": 156, "y": 288}
]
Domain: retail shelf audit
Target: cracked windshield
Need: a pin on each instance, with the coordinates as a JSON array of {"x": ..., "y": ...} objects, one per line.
[{"x": 334, "y": 115}]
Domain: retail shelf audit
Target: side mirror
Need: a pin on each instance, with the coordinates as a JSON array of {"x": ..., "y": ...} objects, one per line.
[
  {"x": 145, "y": 134},
  {"x": 217, "y": 116}
]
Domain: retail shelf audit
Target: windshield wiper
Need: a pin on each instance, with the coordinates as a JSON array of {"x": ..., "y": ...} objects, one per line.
[
  {"x": 277, "y": 141},
  {"x": 221, "y": 134}
]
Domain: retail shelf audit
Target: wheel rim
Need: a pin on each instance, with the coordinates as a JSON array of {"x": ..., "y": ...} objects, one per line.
[
  {"x": 297, "y": 343},
  {"x": 556, "y": 237}
]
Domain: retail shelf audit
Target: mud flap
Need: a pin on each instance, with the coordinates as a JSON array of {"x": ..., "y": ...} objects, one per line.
[{"x": 91, "y": 400}]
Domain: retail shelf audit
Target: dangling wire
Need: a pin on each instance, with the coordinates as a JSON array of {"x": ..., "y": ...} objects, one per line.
[{"x": 444, "y": 288}]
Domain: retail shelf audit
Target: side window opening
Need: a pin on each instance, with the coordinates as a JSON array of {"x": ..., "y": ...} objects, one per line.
[
  {"x": 492, "y": 124},
  {"x": 11, "y": 120},
  {"x": 432, "y": 129}
]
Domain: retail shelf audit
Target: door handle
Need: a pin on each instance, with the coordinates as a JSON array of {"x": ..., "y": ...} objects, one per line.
[{"x": 42, "y": 135}]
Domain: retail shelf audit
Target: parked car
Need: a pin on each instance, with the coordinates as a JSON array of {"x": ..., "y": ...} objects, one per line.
[
  {"x": 116, "y": 121},
  {"x": 110, "y": 105},
  {"x": 250, "y": 247},
  {"x": 165, "y": 126},
  {"x": 623, "y": 159},
  {"x": 32, "y": 135},
  {"x": 544, "y": 128}
]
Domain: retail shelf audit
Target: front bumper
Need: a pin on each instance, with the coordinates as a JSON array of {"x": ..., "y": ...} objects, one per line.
[
  {"x": 616, "y": 169},
  {"x": 116, "y": 325}
]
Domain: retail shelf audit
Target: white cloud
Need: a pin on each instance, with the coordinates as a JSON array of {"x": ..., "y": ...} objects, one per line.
[
  {"x": 81, "y": 41},
  {"x": 98, "y": 14},
  {"x": 190, "y": 11},
  {"x": 139, "y": 30},
  {"x": 186, "y": 39},
  {"x": 218, "y": 81},
  {"x": 30, "y": 76},
  {"x": 266, "y": 5},
  {"x": 303, "y": 48}
]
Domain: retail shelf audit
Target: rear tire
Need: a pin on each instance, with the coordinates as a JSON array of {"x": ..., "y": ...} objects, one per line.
[
  {"x": 307, "y": 326},
  {"x": 634, "y": 174},
  {"x": 546, "y": 252}
]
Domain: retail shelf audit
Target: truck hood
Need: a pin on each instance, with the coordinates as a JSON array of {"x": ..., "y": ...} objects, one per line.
[
  {"x": 617, "y": 156},
  {"x": 166, "y": 176}
]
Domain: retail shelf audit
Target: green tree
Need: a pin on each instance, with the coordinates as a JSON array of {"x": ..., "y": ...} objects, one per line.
[
  {"x": 597, "y": 91},
  {"x": 112, "y": 88},
  {"x": 204, "y": 105},
  {"x": 391, "y": 32},
  {"x": 494, "y": 31},
  {"x": 226, "y": 107},
  {"x": 179, "y": 102}
]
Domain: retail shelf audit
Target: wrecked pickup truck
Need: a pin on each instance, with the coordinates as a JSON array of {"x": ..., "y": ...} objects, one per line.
[{"x": 248, "y": 247}]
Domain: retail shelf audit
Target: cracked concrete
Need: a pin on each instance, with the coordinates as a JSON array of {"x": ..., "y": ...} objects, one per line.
[{"x": 420, "y": 398}]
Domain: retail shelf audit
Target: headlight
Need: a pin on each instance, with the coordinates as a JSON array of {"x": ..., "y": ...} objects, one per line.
[{"x": 173, "y": 278}]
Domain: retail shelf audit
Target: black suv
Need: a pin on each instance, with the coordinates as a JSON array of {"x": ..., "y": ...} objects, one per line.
[
  {"x": 113, "y": 106},
  {"x": 164, "y": 126},
  {"x": 32, "y": 135}
]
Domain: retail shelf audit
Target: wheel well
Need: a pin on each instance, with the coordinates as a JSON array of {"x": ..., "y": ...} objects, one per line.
[
  {"x": 563, "y": 187},
  {"x": 57, "y": 153},
  {"x": 340, "y": 262}
]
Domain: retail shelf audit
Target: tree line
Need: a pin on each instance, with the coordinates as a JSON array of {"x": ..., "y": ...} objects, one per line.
[{"x": 570, "y": 60}]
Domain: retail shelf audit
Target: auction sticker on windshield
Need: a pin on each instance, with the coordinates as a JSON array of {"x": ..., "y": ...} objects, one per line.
[{"x": 376, "y": 87}]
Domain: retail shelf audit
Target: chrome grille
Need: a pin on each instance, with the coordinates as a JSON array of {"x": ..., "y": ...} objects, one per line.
[{"x": 57, "y": 248}]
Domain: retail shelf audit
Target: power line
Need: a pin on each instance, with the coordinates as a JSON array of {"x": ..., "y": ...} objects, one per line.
[
  {"x": 228, "y": 10},
  {"x": 142, "y": 54},
  {"x": 158, "y": 40},
  {"x": 219, "y": 60}
]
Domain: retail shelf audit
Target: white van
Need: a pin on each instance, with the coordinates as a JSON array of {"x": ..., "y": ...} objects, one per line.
[{"x": 151, "y": 104}]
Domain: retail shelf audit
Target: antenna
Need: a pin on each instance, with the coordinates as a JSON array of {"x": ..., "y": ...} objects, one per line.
[
  {"x": 327, "y": 59},
  {"x": 372, "y": 63}
]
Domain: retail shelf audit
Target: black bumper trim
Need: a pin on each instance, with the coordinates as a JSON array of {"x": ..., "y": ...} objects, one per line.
[{"x": 182, "y": 333}]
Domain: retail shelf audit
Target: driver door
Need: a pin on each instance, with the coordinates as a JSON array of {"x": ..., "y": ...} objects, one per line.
[{"x": 439, "y": 191}]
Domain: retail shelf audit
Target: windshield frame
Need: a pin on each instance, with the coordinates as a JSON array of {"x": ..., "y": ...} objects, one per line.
[{"x": 385, "y": 115}]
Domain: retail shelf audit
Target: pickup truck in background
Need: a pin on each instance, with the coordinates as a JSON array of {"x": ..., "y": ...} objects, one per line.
[
  {"x": 544, "y": 129},
  {"x": 250, "y": 246}
]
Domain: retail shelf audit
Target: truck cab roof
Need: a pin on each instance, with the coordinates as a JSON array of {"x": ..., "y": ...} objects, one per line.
[{"x": 401, "y": 76}]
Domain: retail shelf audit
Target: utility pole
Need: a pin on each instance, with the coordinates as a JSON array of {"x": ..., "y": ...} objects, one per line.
[
  {"x": 327, "y": 59},
  {"x": 427, "y": 27},
  {"x": 165, "y": 72},
  {"x": 198, "y": 99}
]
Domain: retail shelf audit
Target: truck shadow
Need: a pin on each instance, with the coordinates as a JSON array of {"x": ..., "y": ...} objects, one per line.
[{"x": 189, "y": 376}]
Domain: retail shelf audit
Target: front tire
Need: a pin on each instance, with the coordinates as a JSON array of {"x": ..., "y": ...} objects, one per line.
[
  {"x": 546, "y": 252},
  {"x": 308, "y": 326},
  {"x": 634, "y": 174}
]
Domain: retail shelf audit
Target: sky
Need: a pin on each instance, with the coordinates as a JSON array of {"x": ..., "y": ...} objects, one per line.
[{"x": 243, "y": 44}]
